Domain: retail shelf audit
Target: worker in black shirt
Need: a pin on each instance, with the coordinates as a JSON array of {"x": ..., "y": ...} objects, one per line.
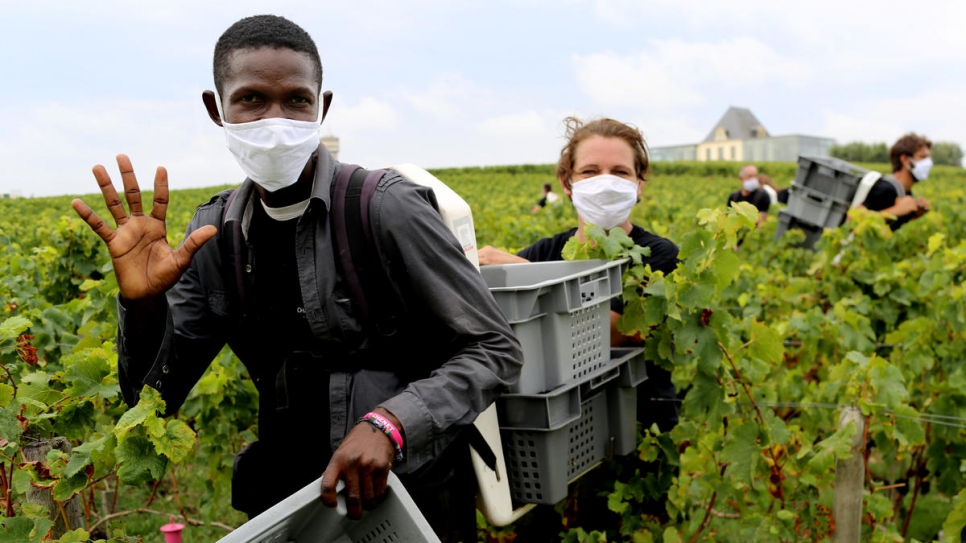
[
  {"x": 910, "y": 157},
  {"x": 751, "y": 191},
  {"x": 602, "y": 168}
]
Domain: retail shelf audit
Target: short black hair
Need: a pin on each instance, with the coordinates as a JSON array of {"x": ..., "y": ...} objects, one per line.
[{"x": 260, "y": 31}]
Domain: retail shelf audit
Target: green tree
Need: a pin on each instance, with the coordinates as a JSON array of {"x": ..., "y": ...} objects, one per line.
[
  {"x": 858, "y": 151},
  {"x": 947, "y": 153}
]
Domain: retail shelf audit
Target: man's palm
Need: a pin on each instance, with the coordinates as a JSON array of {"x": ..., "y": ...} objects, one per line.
[{"x": 144, "y": 263}]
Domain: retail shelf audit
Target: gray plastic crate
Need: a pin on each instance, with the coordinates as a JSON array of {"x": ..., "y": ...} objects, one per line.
[
  {"x": 302, "y": 518},
  {"x": 540, "y": 464},
  {"x": 812, "y": 233},
  {"x": 831, "y": 176},
  {"x": 813, "y": 207},
  {"x": 561, "y": 406},
  {"x": 560, "y": 312}
]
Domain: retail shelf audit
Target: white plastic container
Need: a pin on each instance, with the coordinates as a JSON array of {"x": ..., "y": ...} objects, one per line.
[
  {"x": 302, "y": 518},
  {"x": 455, "y": 211},
  {"x": 494, "y": 498}
]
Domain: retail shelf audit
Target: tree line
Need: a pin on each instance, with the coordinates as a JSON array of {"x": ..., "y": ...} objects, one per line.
[{"x": 943, "y": 152}]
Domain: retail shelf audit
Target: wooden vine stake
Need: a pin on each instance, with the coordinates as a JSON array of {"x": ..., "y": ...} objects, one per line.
[
  {"x": 68, "y": 515},
  {"x": 849, "y": 483}
]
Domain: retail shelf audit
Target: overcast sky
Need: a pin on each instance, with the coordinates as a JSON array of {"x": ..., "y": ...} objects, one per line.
[{"x": 464, "y": 83}]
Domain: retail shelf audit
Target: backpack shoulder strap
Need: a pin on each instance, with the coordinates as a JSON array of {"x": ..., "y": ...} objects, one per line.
[
  {"x": 865, "y": 185},
  {"x": 352, "y": 192},
  {"x": 900, "y": 190}
]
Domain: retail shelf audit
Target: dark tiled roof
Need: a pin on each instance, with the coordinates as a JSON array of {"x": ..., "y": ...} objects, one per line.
[{"x": 740, "y": 123}]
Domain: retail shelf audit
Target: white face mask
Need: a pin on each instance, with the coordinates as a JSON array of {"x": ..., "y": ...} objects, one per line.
[
  {"x": 272, "y": 152},
  {"x": 751, "y": 185},
  {"x": 920, "y": 170},
  {"x": 604, "y": 200}
]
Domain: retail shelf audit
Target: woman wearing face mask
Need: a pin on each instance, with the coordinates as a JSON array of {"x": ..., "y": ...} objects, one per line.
[{"x": 602, "y": 168}]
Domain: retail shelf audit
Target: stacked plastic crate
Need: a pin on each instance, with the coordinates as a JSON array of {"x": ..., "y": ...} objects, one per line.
[
  {"x": 819, "y": 197},
  {"x": 575, "y": 402}
]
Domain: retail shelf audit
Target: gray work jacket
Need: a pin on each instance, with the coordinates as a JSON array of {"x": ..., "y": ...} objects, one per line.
[{"x": 452, "y": 354}]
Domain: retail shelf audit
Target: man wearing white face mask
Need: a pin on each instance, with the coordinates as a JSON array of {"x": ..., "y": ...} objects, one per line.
[
  {"x": 911, "y": 162},
  {"x": 751, "y": 192},
  {"x": 339, "y": 396}
]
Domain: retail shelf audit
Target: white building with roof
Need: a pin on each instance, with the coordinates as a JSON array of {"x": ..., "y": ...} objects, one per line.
[{"x": 740, "y": 137}]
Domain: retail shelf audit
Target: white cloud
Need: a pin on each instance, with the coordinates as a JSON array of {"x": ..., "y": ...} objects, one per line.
[
  {"x": 448, "y": 96},
  {"x": 638, "y": 81},
  {"x": 677, "y": 74},
  {"x": 845, "y": 127},
  {"x": 368, "y": 114},
  {"x": 57, "y": 145},
  {"x": 527, "y": 124},
  {"x": 938, "y": 115},
  {"x": 662, "y": 130}
]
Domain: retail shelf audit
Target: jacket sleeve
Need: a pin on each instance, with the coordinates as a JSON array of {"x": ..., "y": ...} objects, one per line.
[
  {"x": 487, "y": 356},
  {"x": 169, "y": 348}
]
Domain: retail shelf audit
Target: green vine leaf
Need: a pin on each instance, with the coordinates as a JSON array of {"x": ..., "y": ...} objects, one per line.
[
  {"x": 138, "y": 461},
  {"x": 90, "y": 374},
  {"x": 12, "y": 327},
  {"x": 145, "y": 412},
  {"x": 177, "y": 442}
]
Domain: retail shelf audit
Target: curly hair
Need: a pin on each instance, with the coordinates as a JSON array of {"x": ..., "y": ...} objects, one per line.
[
  {"x": 577, "y": 131},
  {"x": 906, "y": 145},
  {"x": 260, "y": 31}
]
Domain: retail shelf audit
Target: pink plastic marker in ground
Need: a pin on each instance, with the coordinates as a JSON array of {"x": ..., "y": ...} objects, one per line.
[{"x": 172, "y": 531}]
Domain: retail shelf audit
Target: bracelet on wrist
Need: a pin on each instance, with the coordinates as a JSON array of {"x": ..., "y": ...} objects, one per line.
[{"x": 387, "y": 427}]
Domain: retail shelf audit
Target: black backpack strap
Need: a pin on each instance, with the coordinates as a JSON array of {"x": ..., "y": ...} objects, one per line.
[
  {"x": 362, "y": 252},
  {"x": 341, "y": 211},
  {"x": 352, "y": 192},
  {"x": 480, "y": 445}
]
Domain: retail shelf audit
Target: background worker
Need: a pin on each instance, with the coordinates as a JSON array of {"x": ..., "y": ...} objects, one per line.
[
  {"x": 549, "y": 197},
  {"x": 751, "y": 192},
  {"x": 911, "y": 162}
]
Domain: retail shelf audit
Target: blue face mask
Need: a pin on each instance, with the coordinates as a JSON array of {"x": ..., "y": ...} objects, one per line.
[{"x": 750, "y": 185}]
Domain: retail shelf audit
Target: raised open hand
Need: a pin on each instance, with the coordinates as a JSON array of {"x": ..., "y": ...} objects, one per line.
[{"x": 144, "y": 263}]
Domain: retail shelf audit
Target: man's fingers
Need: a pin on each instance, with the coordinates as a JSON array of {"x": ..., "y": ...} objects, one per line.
[
  {"x": 380, "y": 482},
  {"x": 367, "y": 491},
  {"x": 111, "y": 199},
  {"x": 160, "y": 206},
  {"x": 353, "y": 494},
  {"x": 191, "y": 245},
  {"x": 330, "y": 482},
  {"x": 132, "y": 193},
  {"x": 96, "y": 223}
]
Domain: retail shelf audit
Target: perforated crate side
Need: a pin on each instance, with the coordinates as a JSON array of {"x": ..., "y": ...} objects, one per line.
[
  {"x": 538, "y": 470},
  {"x": 786, "y": 222},
  {"x": 303, "y": 518},
  {"x": 828, "y": 175},
  {"x": 815, "y": 208}
]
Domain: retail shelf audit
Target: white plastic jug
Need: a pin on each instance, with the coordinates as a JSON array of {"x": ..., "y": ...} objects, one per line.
[{"x": 494, "y": 499}]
